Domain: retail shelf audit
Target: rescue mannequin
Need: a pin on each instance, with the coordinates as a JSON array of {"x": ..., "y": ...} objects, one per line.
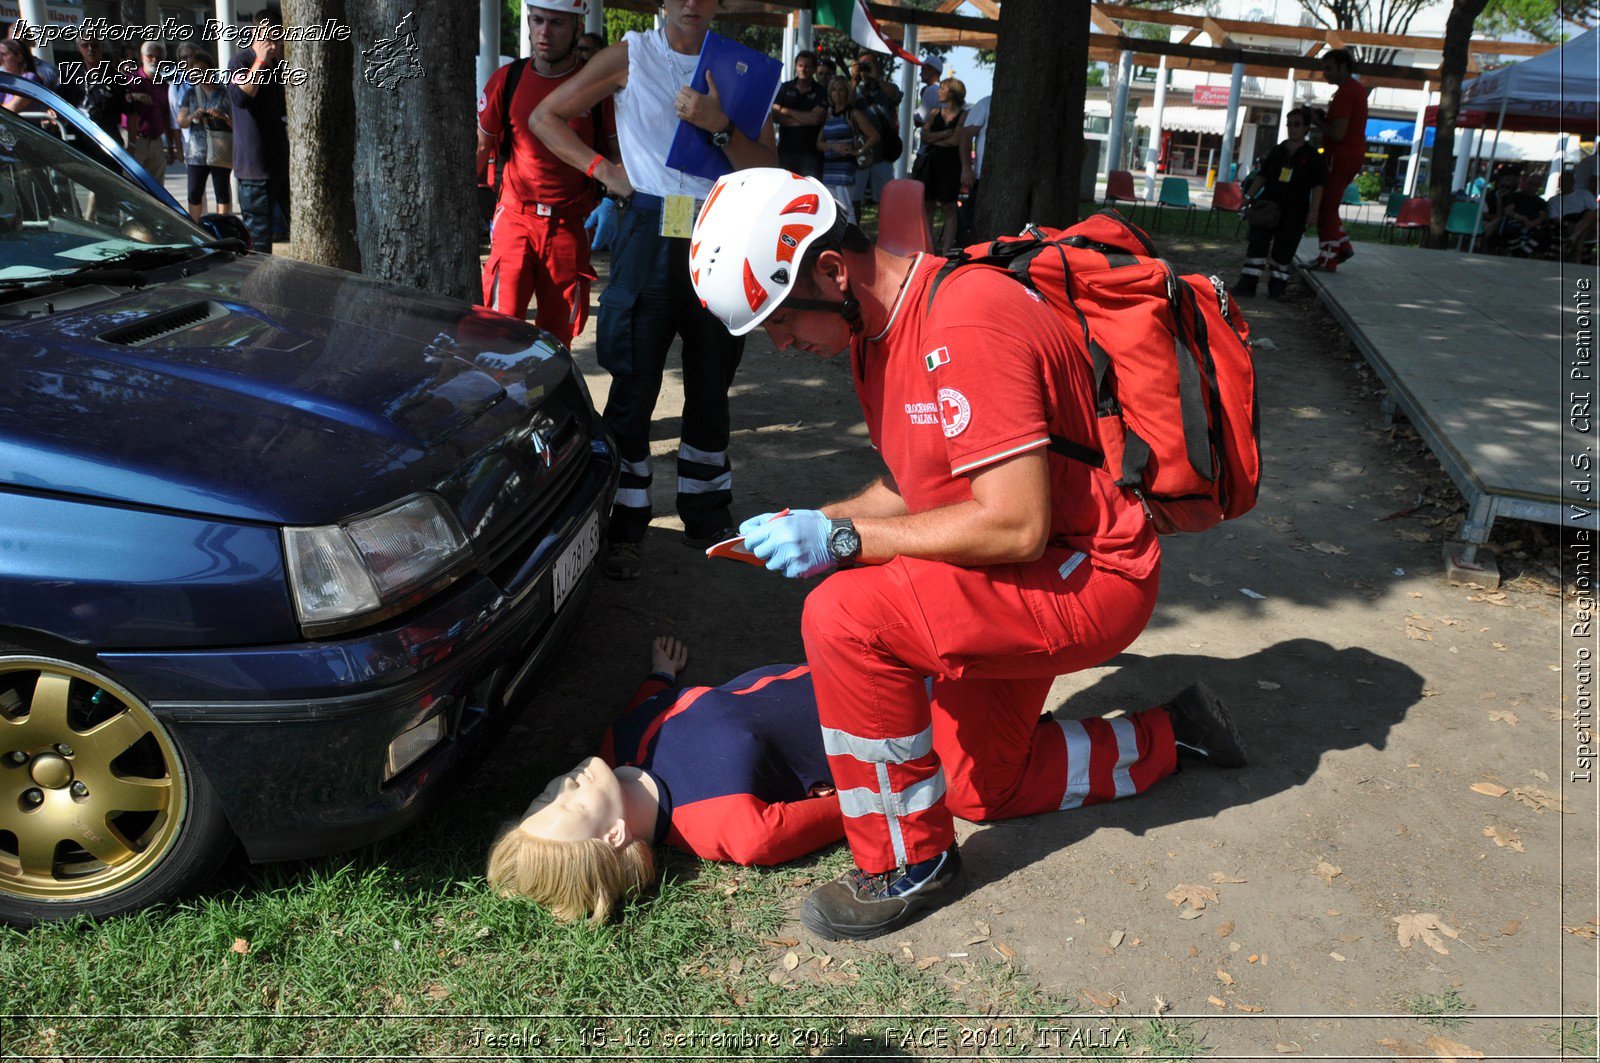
[{"x": 585, "y": 843}]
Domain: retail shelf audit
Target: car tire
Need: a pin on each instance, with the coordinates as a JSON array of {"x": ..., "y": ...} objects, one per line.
[{"x": 101, "y": 810}]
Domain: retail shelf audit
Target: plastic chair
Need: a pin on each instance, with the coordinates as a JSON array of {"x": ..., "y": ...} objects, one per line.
[
  {"x": 1463, "y": 220},
  {"x": 1415, "y": 214},
  {"x": 902, "y": 223},
  {"x": 1119, "y": 189},
  {"x": 1352, "y": 198},
  {"x": 1391, "y": 210},
  {"x": 1228, "y": 197},
  {"x": 1174, "y": 192}
]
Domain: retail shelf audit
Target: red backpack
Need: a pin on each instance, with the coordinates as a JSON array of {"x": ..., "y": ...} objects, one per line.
[{"x": 1174, "y": 382}]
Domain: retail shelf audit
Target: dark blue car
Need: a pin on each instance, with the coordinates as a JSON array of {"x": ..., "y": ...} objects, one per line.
[{"x": 279, "y": 545}]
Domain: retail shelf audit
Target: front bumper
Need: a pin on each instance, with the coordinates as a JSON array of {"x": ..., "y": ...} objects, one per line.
[{"x": 293, "y": 738}]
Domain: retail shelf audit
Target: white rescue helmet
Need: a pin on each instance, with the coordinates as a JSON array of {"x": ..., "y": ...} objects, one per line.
[
  {"x": 571, "y": 7},
  {"x": 750, "y": 238}
]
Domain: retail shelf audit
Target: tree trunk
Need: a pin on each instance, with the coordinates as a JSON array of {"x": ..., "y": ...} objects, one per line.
[
  {"x": 322, "y": 152},
  {"x": 1457, "y": 36},
  {"x": 1036, "y": 117},
  {"x": 415, "y": 138}
]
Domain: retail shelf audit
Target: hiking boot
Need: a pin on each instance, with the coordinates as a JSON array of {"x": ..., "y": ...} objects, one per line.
[
  {"x": 1203, "y": 729},
  {"x": 1245, "y": 285},
  {"x": 1344, "y": 254},
  {"x": 1277, "y": 290},
  {"x": 621, "y": 561},
  {"x": 861, "y": 906},
  {"x": 707, "y": 540}
]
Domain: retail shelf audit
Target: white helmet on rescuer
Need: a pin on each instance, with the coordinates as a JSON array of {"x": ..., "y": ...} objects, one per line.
[
  {"x": 750, "y": 238},
  {"x": 571, "y": 7}
]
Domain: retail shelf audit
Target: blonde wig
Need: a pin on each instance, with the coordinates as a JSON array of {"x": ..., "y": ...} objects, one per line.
[{"x": 573, "y": 879}]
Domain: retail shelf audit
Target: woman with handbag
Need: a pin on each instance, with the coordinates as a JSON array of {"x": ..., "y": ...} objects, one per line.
[
  {"x": 942, "y": 161},
  {"x": 206, "y": 113},
  {"x": 1279, "y": 202},
  {"x": 846, "y": 140}
]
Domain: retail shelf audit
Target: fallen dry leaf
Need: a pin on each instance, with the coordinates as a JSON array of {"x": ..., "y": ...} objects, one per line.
[
  {"x": 735, "y": 967},
  {"x": 1489, "y": 789},
  {"x": 1336, "y": 956},
  {"x": 1250, "y": 1007},
  {"x": 781, "y": 943},
  {"x": 1266, "y": 685},
  {"x": 1349, "y": 938},
  {"x": 1116, "y": 939},
  {"x": 1194, "y": 950},
  {"x": 1501, "y": 715},
  {"x": 438, "y": 992},
  {"x": 1252, "y": 958},
  {"x": 1005, "y": 950},
  {"x": 1101, "y": 1000},
  {"x": 1539, "y": 800},
  {"x": 1541, "y": 775},
  {"x": 777, "y": 976},
  {"x": 1225, "y": 929},
  {"x": 1407, "y": 1052},
  {"x": 1444, "y": 1048},
  {"x": 1329, "y": 548},
  {"x": 1586, "y": 931},
  {"x": 1190, "y": 913},
  {"x": 1192, "y": 895},
  {"x": 241, "y": 946},
  {"x": 1104, "y": 950},
  {"x": 1217, "y": 1002},
  {"x": 1224, "y": 977},
  {"x": 790, "y": 961},
  {"x": 1289, "y": 1046},
  {"x": 1508, "y": 840},
  {"x": 1414, "y": 925},
  {"x": 1328, "y": 872},
  {"x": 1220, "y": 879},
  {"x": 1499, "y": 646},
  {"x": 928, "y": 961},
  {"x": 1510, "y": 927}
]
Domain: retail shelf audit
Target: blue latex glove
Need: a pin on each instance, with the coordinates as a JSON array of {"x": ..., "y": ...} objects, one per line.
[
  {"x": 755, "y": 522},
  {"x": 602, "y": 221},
  {"x": 796, "y": 544}
]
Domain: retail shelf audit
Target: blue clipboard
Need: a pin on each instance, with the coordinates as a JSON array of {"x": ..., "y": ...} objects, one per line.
[{"x": 748, "y": 83}]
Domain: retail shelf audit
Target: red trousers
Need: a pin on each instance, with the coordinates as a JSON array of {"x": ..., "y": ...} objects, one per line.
[
  {"x": 906, "y": 754},
  {"x": 543, "y": 258},
  {"x": 1330, "y": 230}
]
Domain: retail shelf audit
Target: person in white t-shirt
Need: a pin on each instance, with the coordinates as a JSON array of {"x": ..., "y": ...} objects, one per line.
[
  {"x": 648, "y": 301},
  {"x": 1584, "y": 184}
]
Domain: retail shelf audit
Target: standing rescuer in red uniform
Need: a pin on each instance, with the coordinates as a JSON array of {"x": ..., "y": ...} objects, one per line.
[
  {"x": 980, "y": 560},
  {"x": 538, "y": 248},
  {"x": 1344, "y": 140}
]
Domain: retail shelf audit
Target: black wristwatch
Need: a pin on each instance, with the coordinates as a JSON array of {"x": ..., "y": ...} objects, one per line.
[
  {"x": 724, "y": 138},
  {"x": 844, "y": 542}
]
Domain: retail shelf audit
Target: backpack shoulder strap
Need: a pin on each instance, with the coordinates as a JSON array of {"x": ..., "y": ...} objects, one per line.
[{"x": 507, "y": 94}]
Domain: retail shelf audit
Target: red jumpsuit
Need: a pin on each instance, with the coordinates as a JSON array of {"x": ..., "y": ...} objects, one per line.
[
  {"x": 1344, "y": 160},
  {"x": 989, "y": 372},
  {"x": 538, "y": 249},
  {"x": 744, "y": 777}
]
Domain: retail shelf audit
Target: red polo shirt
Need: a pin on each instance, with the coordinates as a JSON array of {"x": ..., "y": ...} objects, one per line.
[
  {"x": 1349, "y": 101},
  {"x": 991, "y": 372}
]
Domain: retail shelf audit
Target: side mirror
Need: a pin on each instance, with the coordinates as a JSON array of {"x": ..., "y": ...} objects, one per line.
[{"x": 227, "y": 227}]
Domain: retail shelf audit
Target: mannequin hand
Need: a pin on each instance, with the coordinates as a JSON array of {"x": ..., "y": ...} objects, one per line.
[
  {"x": 602, "y": 221},
  {"x": 797, "y": 545}
]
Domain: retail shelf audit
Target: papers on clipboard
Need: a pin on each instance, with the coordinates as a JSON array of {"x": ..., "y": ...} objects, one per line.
[
  {"x": 747, "y": 83},
  {"x": 734, "y": 549}
]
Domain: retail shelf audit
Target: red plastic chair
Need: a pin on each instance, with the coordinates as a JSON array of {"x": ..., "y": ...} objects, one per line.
[
  {"x": 1415, "y": 215},
  {"x": 1226, "y": 196},
  {"x": 1119, "y": 188},
  {"x": 902, "y": 225}
]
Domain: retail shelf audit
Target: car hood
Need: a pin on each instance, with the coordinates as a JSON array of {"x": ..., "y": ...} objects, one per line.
[{"x": 263, "y": 389}]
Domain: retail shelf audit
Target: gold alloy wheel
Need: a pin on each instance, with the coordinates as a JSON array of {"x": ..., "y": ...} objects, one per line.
[{"x": 91, "y": 788}]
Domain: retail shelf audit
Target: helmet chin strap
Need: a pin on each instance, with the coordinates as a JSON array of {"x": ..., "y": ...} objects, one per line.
[{"x": 849, "y": 309}]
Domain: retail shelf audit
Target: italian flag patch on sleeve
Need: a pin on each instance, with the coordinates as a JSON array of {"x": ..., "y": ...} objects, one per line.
[{"x": 937, "y": 358}]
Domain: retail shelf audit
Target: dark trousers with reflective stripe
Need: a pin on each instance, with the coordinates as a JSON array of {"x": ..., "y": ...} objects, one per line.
[{"x": 647, "y": 303}]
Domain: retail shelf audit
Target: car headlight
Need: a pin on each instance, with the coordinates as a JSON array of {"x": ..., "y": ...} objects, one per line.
[{"x": 374, "y": 566}]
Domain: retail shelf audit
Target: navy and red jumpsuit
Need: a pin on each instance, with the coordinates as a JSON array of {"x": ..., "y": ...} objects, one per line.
[{"x": 744, "y": 774}]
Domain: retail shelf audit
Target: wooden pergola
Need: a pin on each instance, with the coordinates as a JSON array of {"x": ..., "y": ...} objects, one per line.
[{"x": 1266, "y": 50}]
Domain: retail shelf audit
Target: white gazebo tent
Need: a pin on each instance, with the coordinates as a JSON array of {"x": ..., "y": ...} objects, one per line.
[{"x": 1559, "y": 91}]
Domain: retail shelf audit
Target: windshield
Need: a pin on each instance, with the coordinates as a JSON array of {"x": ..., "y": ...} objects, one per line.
[{"x": 60, "y": 212}]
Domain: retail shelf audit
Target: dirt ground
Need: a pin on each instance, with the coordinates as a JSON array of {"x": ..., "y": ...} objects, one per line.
[{"x": 1372, "y": 694}]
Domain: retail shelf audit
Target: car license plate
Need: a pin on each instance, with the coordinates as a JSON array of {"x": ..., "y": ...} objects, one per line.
[{"x": 575, "y": 560}]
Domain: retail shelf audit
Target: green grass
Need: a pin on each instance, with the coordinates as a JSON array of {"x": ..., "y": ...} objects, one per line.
[
  {"x": 1575, "y": 1039},
  {"x": 404, "y": 943},
  {"x": 1441, "y": 1010}
]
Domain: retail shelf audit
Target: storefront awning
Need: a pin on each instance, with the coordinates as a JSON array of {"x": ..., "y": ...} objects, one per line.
[
  {"x": 1190, "y": 119},
  {"x": 1392, "y": 131}
]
